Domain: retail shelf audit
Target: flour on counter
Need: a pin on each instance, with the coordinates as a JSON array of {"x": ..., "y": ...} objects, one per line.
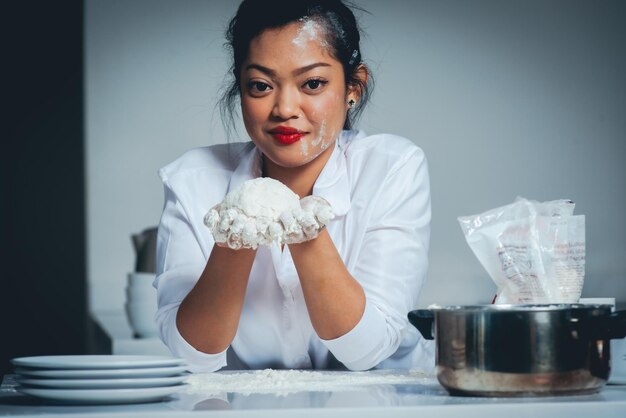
[
  {"x": 283, "y": 382},
  {"x": 263, "y": 211}
]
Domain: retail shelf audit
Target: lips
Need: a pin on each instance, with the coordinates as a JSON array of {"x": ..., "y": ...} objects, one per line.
[{"x": 287, "y": 135}]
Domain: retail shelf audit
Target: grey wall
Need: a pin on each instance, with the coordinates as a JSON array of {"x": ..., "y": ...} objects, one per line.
[{"x": 506, "y": 98}]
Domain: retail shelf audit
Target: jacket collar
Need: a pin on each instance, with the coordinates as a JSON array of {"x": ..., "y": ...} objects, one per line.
[{"x": 332, "y": 184}]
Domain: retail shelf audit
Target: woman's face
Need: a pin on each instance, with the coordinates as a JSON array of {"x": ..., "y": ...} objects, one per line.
[{"x": 293, "y": 94}]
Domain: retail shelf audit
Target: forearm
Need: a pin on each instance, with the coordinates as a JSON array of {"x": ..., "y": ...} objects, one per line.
[
  {"x": 209, "y": 315},
  {"x": 334, "y": 299}
]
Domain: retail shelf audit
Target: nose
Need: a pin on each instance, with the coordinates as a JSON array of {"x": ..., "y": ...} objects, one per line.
[{"x": 286, "y": 105}]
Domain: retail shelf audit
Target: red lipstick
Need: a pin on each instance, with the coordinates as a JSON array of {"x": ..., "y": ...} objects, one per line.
[{"x": 287, "y": 135}]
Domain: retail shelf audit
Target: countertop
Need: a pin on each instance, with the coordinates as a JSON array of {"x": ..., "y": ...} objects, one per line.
[{"x": 424, "y": 399}]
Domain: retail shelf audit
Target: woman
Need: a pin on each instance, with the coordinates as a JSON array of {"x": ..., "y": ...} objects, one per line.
[{"x": 340, "y": 298}]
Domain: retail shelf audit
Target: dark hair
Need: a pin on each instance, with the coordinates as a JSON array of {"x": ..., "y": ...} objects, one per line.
[{"x": 342, "y": 31}]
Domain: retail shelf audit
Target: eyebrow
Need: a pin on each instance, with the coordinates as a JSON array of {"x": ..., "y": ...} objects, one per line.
[{"x": 297, "y": 71}]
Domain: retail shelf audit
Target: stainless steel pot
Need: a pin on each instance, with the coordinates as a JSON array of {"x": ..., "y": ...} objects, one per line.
[{"x": 521, "y": 350}]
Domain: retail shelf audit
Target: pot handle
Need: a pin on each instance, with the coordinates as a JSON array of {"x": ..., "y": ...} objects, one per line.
[
  {"x": 607, "y": 327},
  {"x": 423, "y": 320}
]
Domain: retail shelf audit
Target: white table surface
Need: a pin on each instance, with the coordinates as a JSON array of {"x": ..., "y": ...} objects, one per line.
[{"x": 427, "y": 399}]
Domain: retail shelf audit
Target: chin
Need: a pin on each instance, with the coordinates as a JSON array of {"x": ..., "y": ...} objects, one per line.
[
  {"x": 291, "y": 161},
  {"x": 294, "y": 155}
]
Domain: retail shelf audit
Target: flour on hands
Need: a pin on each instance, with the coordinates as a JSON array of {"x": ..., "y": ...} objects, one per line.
[{"x": 263, "y": 211}]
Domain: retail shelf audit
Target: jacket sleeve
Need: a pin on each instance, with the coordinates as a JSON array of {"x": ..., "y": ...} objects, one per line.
[
  {"x": 391, "y": 268},
  {"x": 180, "y": 262}
]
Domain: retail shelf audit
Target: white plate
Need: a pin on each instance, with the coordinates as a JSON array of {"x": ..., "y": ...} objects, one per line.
[
  {"x": 101, "y": 396},
  {"x": 96, "y": 362},
  {"x": 148, "y": 382},
  {"x": 102, "y": 373}
]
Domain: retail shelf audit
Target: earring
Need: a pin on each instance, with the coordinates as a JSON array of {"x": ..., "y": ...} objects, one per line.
[{"x": 351, "y": 103}]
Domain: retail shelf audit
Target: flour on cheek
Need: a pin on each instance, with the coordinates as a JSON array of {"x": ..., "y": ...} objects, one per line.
[
  {"x": 321, "y": 135},
  {"x": 304, "y": 146},
  {"x": 320, "y": 143},
  {"x": 326, "y": 137}
]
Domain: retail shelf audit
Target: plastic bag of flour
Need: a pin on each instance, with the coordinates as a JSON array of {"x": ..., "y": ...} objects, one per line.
[{"x": 533, "y": 251}]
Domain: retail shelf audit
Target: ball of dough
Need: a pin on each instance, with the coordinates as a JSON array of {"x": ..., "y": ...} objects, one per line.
[{"x": 263, "y": 211}]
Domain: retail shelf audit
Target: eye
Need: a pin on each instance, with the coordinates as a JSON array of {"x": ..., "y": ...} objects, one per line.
[
  {"x": 258, "y": 87},
  {"x": 315, "y": 84}
]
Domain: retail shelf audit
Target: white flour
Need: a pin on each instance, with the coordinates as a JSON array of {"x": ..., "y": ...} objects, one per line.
[
  {"x": 283, "y": 382},
  {"x": 263, "y": 211},
  {"x": 262, "y": 197},
  {"x": 309, "y": 31}
]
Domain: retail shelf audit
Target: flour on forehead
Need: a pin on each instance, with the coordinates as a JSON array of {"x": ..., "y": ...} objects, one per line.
[{"x": 310, "y": 30}]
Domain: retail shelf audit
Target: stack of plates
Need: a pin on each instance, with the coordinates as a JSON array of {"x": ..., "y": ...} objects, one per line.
[{"x": 92, "y": 380}]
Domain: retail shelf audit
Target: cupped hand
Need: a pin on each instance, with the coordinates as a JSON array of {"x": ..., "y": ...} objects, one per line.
[{"x": 232, "y": 228}]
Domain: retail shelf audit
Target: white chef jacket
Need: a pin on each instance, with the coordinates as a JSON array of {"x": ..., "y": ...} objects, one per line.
[{"x": 379, "y": 190}]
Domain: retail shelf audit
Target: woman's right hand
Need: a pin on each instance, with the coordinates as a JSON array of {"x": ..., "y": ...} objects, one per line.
[{"x": 233, "y": 229}]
